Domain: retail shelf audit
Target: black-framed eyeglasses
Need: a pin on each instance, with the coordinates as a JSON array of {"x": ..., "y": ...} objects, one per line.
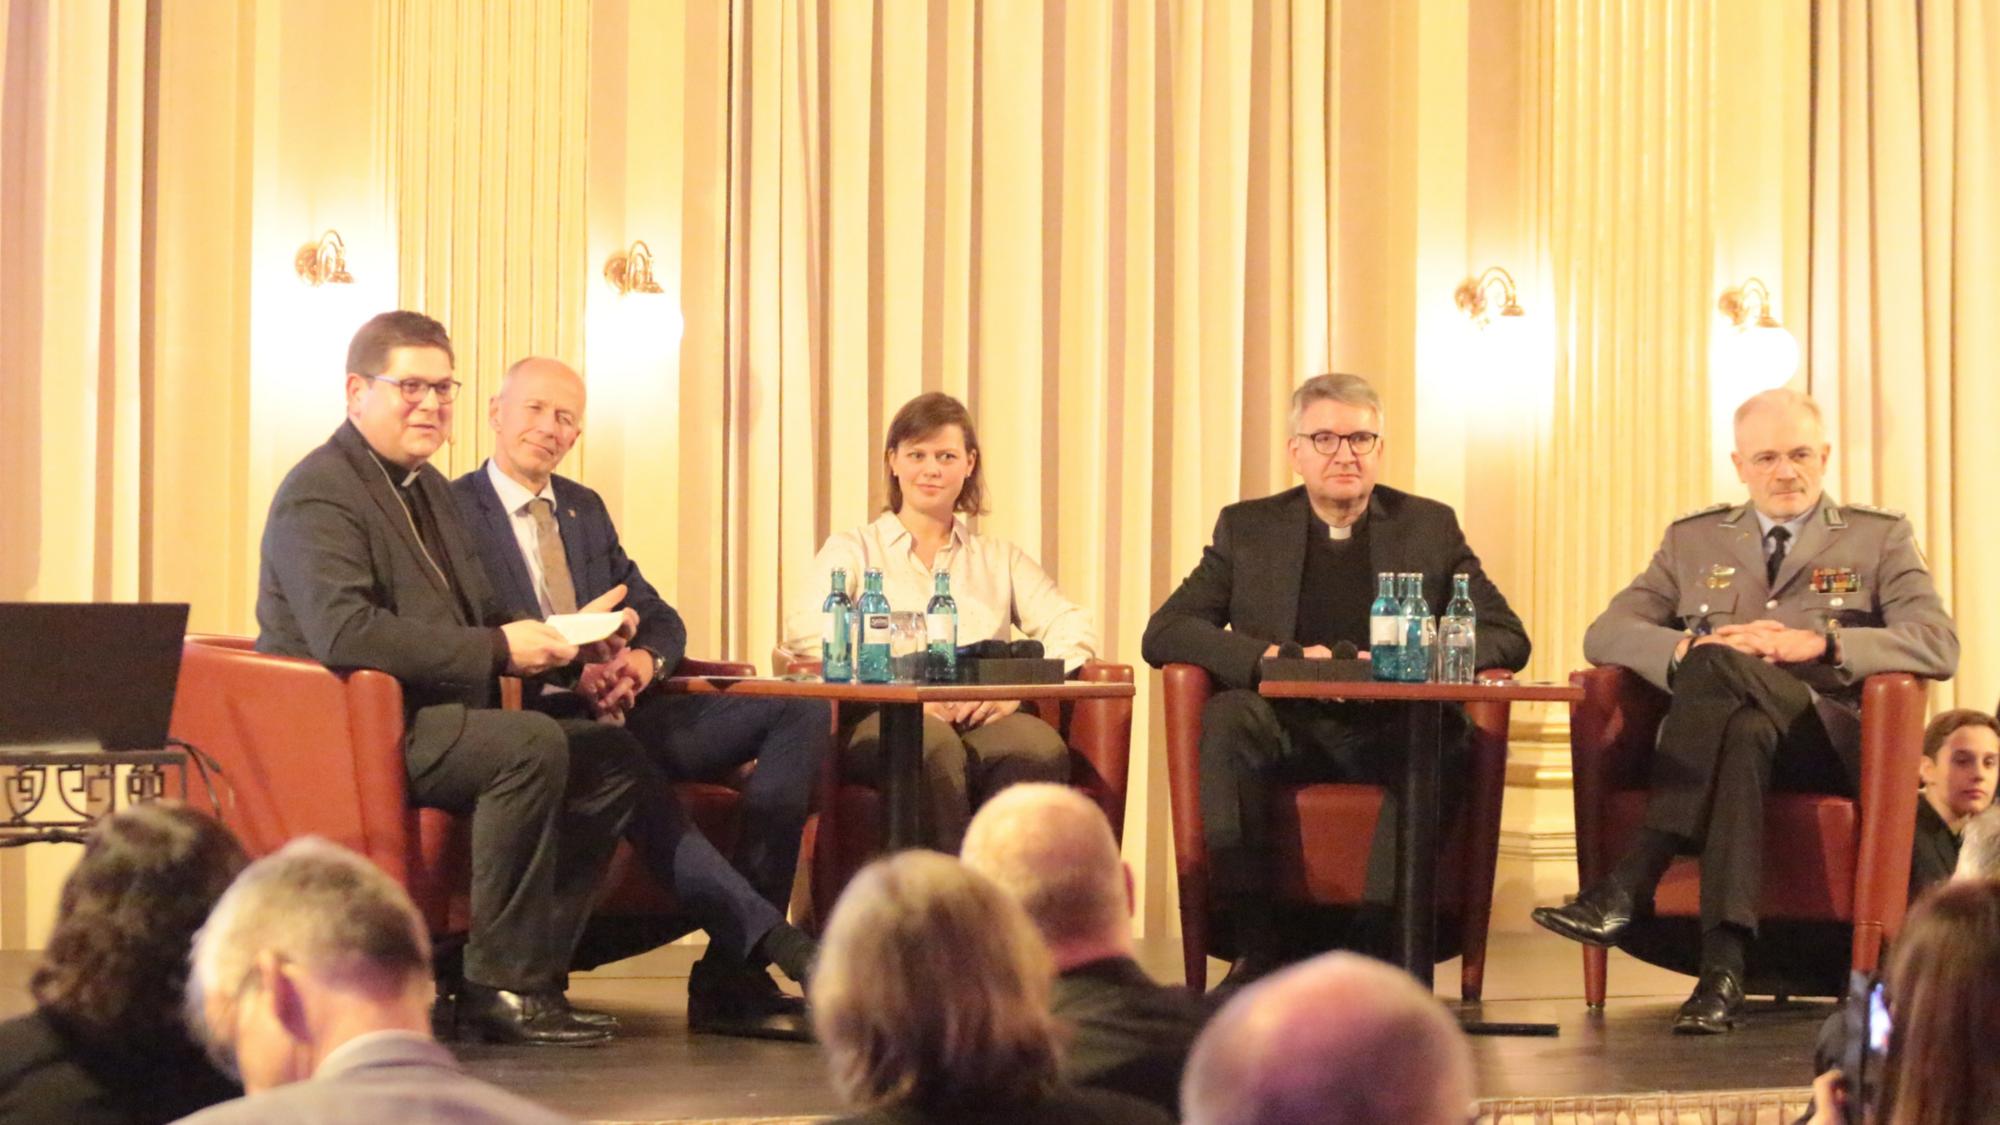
[
  {"x": 1327, "y": 443},
  {"x": 414, "y": 390}
]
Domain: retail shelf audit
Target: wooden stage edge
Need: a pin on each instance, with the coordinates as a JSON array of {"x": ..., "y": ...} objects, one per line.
[{"x": 1623, "y": 1058}]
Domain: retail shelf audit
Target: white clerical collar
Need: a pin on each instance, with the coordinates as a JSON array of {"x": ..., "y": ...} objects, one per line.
[{"x": 514, "y": 496}]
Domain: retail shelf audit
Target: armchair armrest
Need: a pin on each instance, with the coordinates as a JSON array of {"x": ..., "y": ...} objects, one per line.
[
  {"x": 1100, "y": 730},
  {"x": 689, "y": 667},
  {"x": 1892, "y": 740},
  {"x": 1611, "y": 736},
  {"x": 1188, "y": 688}
]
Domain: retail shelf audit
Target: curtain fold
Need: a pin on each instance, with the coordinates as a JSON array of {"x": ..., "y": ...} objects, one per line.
[{"x": 1904, "y": 346}]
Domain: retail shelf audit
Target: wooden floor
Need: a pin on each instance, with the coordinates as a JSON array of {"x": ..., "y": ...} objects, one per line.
[{"x": 657, "y": 1072}]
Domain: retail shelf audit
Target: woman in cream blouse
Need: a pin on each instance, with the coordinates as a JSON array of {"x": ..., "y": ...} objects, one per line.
[{"x": 971, "y": 750}]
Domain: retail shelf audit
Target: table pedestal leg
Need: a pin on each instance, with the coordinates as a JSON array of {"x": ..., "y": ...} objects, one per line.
[
  {"x": 1416, "y": 851},
  {"x": 902, "y": 774}
]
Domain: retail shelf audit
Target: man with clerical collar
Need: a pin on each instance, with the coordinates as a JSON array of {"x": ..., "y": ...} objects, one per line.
[
  {"x": 1960, "y": 764},
  {"x": 1763, "y": 620},
  {"x": 365, "y": 564},
  {"x": 1299, "y": 569}
]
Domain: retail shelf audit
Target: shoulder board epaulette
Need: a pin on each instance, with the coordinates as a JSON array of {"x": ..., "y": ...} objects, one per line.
[
  {"x": 1870, "y": 509},
  {"x": 1708, "y": 511}
]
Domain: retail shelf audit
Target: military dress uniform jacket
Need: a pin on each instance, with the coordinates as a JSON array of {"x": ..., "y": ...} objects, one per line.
[{"x": 1853, "y": 569}]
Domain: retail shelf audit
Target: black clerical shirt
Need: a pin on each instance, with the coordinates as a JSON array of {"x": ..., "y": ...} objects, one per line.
[
  {"x": 425, "y": 519},
  {"x": 1336, "y": 589}
]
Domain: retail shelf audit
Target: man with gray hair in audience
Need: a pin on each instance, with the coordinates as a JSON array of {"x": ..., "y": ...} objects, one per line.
[
  {"x": 1337, "y": 1040},
  {"x": 1051, "y": 849},
  {"x": 1979, "y": 847},
  {"x": 312, "y": 981}
]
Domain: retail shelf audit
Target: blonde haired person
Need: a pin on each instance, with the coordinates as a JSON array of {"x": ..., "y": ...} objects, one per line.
[
  {"x": 932, "y": 1003},
  {"x": 971, "y": 750}
]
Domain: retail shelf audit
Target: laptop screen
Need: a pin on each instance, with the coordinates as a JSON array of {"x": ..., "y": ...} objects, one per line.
[{"x": 97, "y": 673}]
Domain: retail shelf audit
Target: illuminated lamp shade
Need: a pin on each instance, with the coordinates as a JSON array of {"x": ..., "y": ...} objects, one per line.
[{"x": 1758, "y": 352}]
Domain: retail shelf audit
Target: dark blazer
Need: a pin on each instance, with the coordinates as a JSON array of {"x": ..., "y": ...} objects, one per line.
[
  {"x": 1934, "y": 851},
  {"x": 1128, "y": 1033},
  {"x": 1244, "y": 594},
  {"x": 1064, "y": 1107},
  {"x": 597, "y": 561},
  {"x": 390, "y": 1078},
  {"x": 49, "y": 1075},
  {"x": 345, "y": 581}
]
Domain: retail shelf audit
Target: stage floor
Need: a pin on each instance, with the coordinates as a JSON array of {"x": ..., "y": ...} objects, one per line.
[{"x": 656, "y": 1072}]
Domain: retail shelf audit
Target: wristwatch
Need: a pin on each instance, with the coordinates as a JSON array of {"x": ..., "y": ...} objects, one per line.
[{"x": 660, "y": 668}]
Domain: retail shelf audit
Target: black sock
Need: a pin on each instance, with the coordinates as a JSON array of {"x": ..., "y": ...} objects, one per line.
[
  {"x": 1724, "y": 947},
  {"x": 787, "y": 947},
  {"x": 1639, "y": 870}
]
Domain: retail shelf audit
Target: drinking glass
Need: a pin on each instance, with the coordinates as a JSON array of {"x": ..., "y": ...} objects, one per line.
[{"x": 909, "y": 647}]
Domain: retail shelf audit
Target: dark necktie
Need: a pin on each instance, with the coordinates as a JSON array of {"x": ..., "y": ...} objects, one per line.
[{"x": 1776, "y": 559}]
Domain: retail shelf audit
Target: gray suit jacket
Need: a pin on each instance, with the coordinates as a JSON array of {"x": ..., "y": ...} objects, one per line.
[
  {"x": 405, "y": 1078},
  {"x": 1709, "y": 572},
  {"x": 345, "y": 581},
  {"x": 1244, "y": 594}
]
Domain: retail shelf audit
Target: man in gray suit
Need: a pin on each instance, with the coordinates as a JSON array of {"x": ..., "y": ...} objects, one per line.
[
  {"x": 312, "y": 980},
  {"x": 1763, "y": 620},
  {"x": 1297, "y": 571}
]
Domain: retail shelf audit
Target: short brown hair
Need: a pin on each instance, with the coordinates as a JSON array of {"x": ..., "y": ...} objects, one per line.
[
  {"x": 368, "y": 352},
  {"x": 933, "y": 991},
  {"x": 921, "y": 417},
  {"x": 1950, "y": 723}
]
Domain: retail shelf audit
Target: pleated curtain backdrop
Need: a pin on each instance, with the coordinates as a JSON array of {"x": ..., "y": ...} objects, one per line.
[{"x": 1905, "y": 349}]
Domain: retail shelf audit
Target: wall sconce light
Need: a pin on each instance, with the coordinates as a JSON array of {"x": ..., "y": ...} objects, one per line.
[
  {"x": 323, "y": 262},
  {"x": 1472, "y": 299},
  {"x": 1764, "y": 351},
  {"x": 632, "y": 271}
]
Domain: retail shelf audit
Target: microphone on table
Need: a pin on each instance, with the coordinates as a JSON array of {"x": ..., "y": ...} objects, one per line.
[
  {"x": 1291, "y": 650},
  {"x": 1345, "y": 650},
  {"x": 1025, "y": 650}
]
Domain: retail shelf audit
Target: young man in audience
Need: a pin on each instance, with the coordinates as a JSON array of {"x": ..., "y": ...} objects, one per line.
[
  {"x": 1960, "y": 764},
  {"x": 1051, "y": 849},
  {"x": 312, "y": 980},
  {"x": 1338, "y": 1040},
  {"x": 549, "y": 545}
]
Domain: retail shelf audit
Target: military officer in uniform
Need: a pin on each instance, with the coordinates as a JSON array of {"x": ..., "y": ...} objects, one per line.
[{"x": 1763, "y": 620}]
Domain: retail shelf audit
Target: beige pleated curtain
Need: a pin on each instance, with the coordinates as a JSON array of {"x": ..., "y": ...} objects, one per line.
[{"x": 1905, "y": 343}]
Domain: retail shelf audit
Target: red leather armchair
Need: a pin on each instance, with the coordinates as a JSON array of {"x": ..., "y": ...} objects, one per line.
[
  {"x": 1838, "y": 864},
  {"x": 305, "y": 750},
  {"x": 1324, "y": 830},
  {"x": 847, "y": 832}
]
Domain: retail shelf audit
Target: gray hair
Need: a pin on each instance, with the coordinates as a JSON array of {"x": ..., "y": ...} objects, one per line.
[
  {"x": 1979, "y": 848},
  {"x": 1337, "y": 1040},
  {"x": 318, "y": 905},
  {"x": 1350, "y": 389},
  {"x": 1776, "y": 398},
  {"x": 1051, "y": 848}
]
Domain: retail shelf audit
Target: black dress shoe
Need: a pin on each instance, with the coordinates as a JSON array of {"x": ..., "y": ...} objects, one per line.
[
  {"x": 1597, "y": 916},
  {"x": 1714, "y": 1007},
  {"x": 541, "y": 1018},
  {"x": 1243, "y": 972},
  {"x": 735, "y": 999},
  {"x": 591, "y": 1017}
]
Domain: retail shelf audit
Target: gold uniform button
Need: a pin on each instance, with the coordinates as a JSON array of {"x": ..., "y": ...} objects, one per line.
[
  {"x": 1772, "y": 604},
  {"x": 1837, "y": 602},
  {"x": 1704, "y": 607}
]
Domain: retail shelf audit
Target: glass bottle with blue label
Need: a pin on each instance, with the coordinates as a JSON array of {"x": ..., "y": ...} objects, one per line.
[
  {"x": 871, "y": 666},
  {"x": 1459, "y": 635},
  {"x": 1385, "y": 630},
  {"x": 1416, "y": 614},
  {"x": 836, "y": 645},
  {"x": 941, "y": 627}
]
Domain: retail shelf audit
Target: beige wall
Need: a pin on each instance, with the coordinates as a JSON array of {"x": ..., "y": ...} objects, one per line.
[{"x": 833, "y": 241}]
